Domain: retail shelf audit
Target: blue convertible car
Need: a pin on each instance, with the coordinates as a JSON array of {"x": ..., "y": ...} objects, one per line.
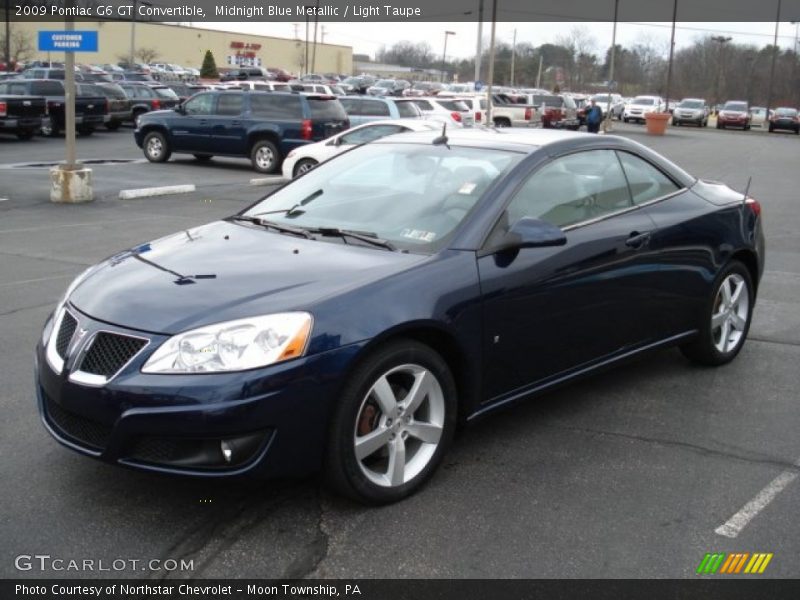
[{"x": 349, "y": 321}]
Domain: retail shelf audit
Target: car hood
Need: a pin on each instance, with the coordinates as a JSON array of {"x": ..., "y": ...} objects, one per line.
[
  {"x": 224, "y": 271},
  {"x": 733, "y": 113}
]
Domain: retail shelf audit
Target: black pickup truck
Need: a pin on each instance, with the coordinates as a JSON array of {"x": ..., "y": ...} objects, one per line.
[
  {"x": 90, "y": 111},
  {"x": 22, "y": 115}
]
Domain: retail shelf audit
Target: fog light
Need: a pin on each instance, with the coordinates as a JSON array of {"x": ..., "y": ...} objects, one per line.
[{"x": 227, "y": 451}]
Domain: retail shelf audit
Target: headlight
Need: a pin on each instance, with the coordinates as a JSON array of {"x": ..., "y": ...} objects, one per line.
[{"x": 234, "y": 345}]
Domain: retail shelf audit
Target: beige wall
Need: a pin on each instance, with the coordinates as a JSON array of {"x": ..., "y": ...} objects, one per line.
[{"x": 186, "y": 46}]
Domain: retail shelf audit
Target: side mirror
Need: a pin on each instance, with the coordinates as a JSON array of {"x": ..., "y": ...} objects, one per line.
[{"x": 532, "y": 233}]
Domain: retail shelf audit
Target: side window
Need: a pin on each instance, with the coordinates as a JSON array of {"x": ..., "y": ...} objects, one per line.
[
  {"x": 423, "y": 104},
  {"x": 369, "y": 134},
  {"x": 200, "y": 105},
  {"x": 573, "y": 189},
  {"x": 279, "y": 106},
  {"x": 647, "y": 183},
  {"x": 47, "y": 88},
  {"x": 142, "y": 91},
  {"x": 229, "y": 105},
  {"x": 374, "y": 108},
  {"x": 407, "y": 110},
  {"x": 350, "y": 105}
]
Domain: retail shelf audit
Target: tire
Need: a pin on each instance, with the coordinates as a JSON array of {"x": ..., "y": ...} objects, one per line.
[
  {"x": 203, "y": 157},
  {"x": 50, "y": 127},
  {"x": 113, "y": 125},
  {"x": 676, "y": 123},
  {"x": 264, "y": 157},
  {"x": 709, "y": 348},
  {"x": 625, "y": 119},
  {"x": 747, "y": 127},
  {"x": 504, "y": 123},
  {"x": 26, "y": 134},
  {"x": 156, "y": 148},
  {"x": 363, "y": 470},
  {"x": 303, "y": 166},
  {"x": 85, "y": 130}
]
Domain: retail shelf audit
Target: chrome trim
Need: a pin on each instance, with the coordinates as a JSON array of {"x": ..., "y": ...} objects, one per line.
[
  {"x": 53, "y": 359},
  {"x": 93, "y": 380},
  {"x": 623, "y": 211}
]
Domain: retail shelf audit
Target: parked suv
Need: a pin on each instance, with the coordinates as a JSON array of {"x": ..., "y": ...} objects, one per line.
[
  {"x": 691, "y": 110},
  {"x": 641, "y": 106},
  {"x": 735, "y": 113},
  {"x": 264, "y": 126},
  {"x": 363, "y": 109},
  {"x": 145, "y": 98}
]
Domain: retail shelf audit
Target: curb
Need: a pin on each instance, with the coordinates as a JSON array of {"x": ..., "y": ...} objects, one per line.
[
  {"x": 267, "y": 180},
  {"x": 156, "y": 191}
]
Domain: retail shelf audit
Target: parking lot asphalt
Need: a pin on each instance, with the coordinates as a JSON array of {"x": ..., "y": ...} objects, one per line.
[{"x": 626, "y": 474}]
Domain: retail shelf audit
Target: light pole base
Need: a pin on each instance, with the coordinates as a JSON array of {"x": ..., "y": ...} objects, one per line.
[{"x": 71, "y": 185}]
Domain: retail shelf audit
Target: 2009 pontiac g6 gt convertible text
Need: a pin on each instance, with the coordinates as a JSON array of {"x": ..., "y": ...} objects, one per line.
[{"x": 350, "y": 320}]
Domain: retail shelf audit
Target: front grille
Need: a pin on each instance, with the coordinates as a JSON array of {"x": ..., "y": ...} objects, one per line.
[
  {"x": 79, "y": 429},
  {"x": 110, "y": 352},
  {"x": 65, "y": 333}
]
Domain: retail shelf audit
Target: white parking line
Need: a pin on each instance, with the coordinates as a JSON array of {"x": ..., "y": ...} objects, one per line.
[
  {"x": 156, "y": 191},
  {"x": 733, "y": 526}
]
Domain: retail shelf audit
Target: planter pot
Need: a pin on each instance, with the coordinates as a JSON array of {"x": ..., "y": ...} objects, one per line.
[{"x": 657, "y": 123}]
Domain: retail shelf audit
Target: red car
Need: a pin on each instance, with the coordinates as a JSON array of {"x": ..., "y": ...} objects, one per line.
[
  {"x": 785, "y": 118},
  {"x": 280, "y": 74},
  {"x": 735, "y": 113}
]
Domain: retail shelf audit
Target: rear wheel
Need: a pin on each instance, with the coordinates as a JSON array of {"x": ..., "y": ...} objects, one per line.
[
  {"x": 303, "y": 166},
  {"x": 503, "y": 123},
  {"x": 156, "y": 148},
  {"x": 25, "y": 135},
  {"x": 85, "y": 130},
  {"x": 392, "y": 425},
  {"x": 113, "y": 125},
  {"x": 726, "y": 318},
  {"x": 264, "y": 156}
]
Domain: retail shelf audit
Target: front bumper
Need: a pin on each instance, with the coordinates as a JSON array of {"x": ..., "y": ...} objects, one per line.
[{"x": 137, "y": 419}]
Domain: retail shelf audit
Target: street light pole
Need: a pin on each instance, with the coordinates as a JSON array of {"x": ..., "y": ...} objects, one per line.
[
  {"x": 479, "y": 50},
  {"x": 444, "y": 54},
  {"x": 671, "y": 51},
  {"x": 490, "y": 83},
  {"x": 8, "y": 35},
  {"x": 774, "y": 56},
  {"x": 513, "y": 56},
  {"x": 721, "y": 40}
]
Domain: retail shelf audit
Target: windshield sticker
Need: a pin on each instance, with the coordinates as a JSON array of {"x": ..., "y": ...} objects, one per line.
[
  {"x": 419, "y": 234},
  {"x": 467, "y": 188}
]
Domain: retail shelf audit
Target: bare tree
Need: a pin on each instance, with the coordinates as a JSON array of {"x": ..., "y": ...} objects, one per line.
[
  {"x": 22, "y": 47},
  {"x": 147, "y": 55}
]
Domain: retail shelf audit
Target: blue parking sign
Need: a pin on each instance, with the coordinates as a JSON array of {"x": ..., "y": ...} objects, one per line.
[{"x": 68, "y": 41}]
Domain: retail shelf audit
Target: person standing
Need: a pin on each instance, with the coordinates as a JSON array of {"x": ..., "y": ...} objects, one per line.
[{"x": 594, "y": 116}]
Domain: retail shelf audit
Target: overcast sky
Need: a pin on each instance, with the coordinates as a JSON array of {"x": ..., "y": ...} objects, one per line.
[{"x": 367, "y": 38}]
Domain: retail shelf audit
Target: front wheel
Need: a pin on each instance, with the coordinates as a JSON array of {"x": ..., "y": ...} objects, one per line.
[
  {"x": 156, "y": 147},
  {"x": 392, "y": 425},
  {"x": 726, "y": 320},
  {"x": 50, "y": 127}
]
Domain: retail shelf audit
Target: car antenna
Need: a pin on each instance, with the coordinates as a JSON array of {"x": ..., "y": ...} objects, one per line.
[
  {"x": 747, "y": 190},
  {"x": 442, "y": 139}
]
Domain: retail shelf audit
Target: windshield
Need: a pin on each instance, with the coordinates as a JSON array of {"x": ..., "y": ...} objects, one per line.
[
  {"x": 643, "y": 101},
  {"x": 690, "y": 104},
  {"x": 737, "y": 106},
  {"x": 412, "y": 195},
  {"x": 166, "y": 93},
  {"x": 786, "y": 112},
  {"x": 385, "y": 83}
]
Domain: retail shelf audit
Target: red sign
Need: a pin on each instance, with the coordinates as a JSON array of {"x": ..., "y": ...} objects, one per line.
[{"x": 244, "y": 45}]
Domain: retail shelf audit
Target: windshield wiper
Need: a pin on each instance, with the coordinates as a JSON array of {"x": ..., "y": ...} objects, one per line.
[
  {"x": 276, "y": 226},
  {"x": 293, "y": 209},
  {"x": 362, "y": 236}
]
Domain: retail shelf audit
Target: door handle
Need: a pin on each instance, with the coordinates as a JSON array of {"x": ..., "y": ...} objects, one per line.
[{"x": 637, "y": 239}]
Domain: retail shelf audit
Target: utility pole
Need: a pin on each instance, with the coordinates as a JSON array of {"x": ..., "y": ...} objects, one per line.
[
  {"x": 479, "y": 51},
  {"x": 607, "y": 120},
  {"x": 539, "y": 74},
  {"x": 671, "y": 50},
  {"x": 513, "y": 56},
  {"x": 444, "y": 54},
  {"x": 489, "y": 110},
  {"x": 8, "y": 35},
  {"x": 314, "y": 54},
  {"x": 133, "y": 36},
  {"x": 305, "y": 61},
  {"x": 774, "y": 56}
]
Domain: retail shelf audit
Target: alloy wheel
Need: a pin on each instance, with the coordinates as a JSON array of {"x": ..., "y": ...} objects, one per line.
[
  {"x": 265, "y": 158},
  {"x": 399, "y": 425},
  {"x": 730, "y": 314}
]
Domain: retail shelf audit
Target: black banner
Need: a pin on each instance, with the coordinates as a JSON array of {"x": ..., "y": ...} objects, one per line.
[
  {"x": 408, "y": 589},
  {"x": 404, "y": 10}
]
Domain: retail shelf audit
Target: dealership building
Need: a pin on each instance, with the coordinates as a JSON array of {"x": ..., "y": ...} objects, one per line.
[{"x": 186, "y": 46}]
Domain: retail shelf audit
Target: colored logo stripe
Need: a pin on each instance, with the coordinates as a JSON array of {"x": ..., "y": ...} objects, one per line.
[{"x": 734, "y": 563}]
